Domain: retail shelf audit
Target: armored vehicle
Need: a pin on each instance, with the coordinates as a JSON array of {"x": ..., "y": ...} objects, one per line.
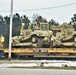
[
  {"x": 33, "y": 35},
  {"x": 65, "y": 37}
]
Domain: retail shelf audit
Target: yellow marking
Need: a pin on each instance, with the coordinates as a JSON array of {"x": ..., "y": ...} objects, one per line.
[
  {"x": 63, "y": 50},
  {"x": 50, "y": 50}
]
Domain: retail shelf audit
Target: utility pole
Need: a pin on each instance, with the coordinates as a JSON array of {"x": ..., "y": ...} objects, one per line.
[{"x": 10, "y": 32}]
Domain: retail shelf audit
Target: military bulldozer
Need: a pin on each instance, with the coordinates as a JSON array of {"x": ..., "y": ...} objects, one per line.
[
  {"x": 35, "y": 35},
  {"x": 65, "y": 37}
]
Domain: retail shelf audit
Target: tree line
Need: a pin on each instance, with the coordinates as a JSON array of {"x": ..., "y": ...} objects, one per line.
[{"x": 18, "y": 20}]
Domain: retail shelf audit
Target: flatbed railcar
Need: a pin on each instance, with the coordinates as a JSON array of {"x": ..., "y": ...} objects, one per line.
[{"x": 40, "y": 52}]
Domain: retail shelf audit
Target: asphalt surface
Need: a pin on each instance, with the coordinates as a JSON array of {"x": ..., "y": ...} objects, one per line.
[{"x": 26, "y": 71}]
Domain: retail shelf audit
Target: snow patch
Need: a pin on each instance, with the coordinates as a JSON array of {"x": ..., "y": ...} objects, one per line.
[{"x": 44, "y": 63}]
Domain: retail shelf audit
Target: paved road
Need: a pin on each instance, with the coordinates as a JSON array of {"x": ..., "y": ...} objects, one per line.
[{"x": 25, "y": 71}]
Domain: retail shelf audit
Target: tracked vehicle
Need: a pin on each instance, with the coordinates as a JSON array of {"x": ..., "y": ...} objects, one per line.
[
  {"x": 65, "y": 36},
  {"x": 35, "y": 35}
]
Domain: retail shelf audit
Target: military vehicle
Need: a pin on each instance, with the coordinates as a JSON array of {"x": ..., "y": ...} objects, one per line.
[
  {"x": 65, "y": 36},
  {"x": 33, "y": 35}
]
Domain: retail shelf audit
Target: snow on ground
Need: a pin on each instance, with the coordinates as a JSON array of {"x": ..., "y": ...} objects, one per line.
[
  {"x": 45, "y": 63},
  {"x": 18, "y": 65}
]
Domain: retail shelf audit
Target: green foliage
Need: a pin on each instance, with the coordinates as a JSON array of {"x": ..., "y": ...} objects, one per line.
[
  {"x": 16, "y": 24},
  {"x": 53, "y": 22},
  {"x": 73, "y": 21},
  {"x": 25, "y": 19},
  {"x": 37, "y": 18}
]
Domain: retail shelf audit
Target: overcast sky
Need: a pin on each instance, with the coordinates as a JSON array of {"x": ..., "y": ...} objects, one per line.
[{"x": 62, "y": 14}]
